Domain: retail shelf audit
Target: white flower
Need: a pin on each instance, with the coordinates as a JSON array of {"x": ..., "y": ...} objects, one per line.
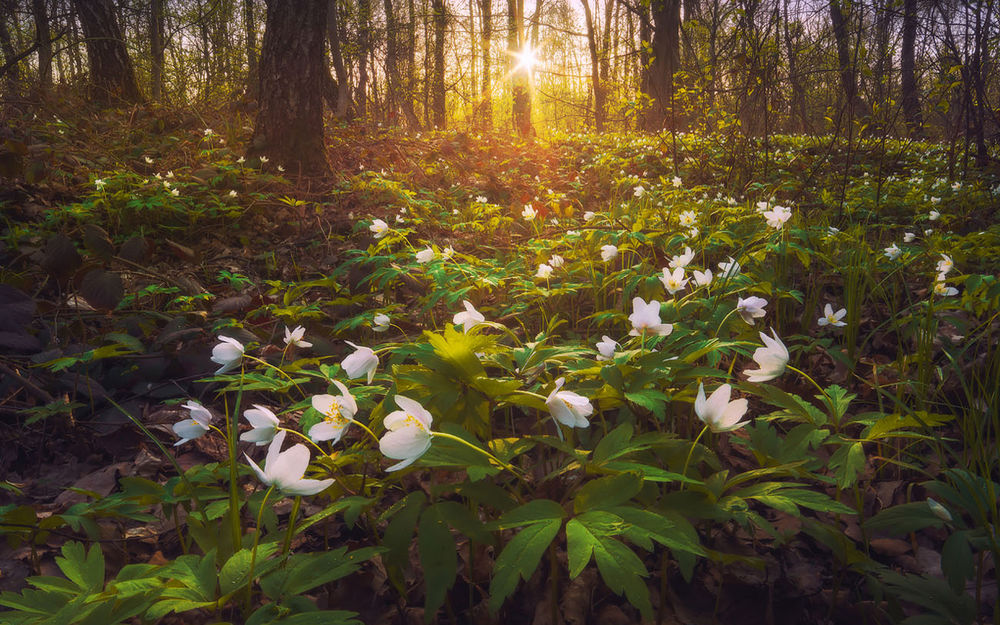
[
  {"x": 777, "y": 216},
  {"x": 928, "y": 232},
  {"x": 544, "y": 271},
  {"x": 425, "y": 255},
  {"x": 935, "y": 200},
  {"x": 284, "y": 470},
  {"x": 676, "y": 181},
  {"x": 361, "y": 362},
  {"x": 469, "y": 318},
  {"x": 675, "y": 281},
  {"x": 568, "y": 408},
  {"x": 227, "y": 353},
  {"x": 529, "y": 212},
  {"x": 379, "y": 228},
  {"x": 241, "y": 160},
  {"x": 683, "y": 260},
  {"x": 939, "y": 511},
  {"x": 933, "y": 215},
  {"x": 409, "y": 435},
  {"x": 294, "y": 337},
  {"x": 556, "y": 261},
  {"x": 941, "y": 288},
  {"x": 945, "y": 265},
  {"x": 208, "y": 132},
  {"x": 606, "y": 348},
  {"x": 751, "y": 308},
  {"x": 702, "y": 279},
  {"x": 148, "y": 160},
  {"x": 170, "y": 174},
  {"x": 380, "y": 322},
  {"x": 338, "y": 412},
  {"x": 175, "y": 192},
  {"x": 892, "y": 252},
  {"x": 233, "y": 193},
  {"x": 99, "y": 184},
  {"x": 729, "y": 269},
  {"x": 264, "y": 423},
  {"x": 956, "y": 186},
  {"x": 762, "y": 206},
  {"x": 645, "y": 318},
  {"x": 196, "y": 426},
  {"x": 281, "y": 168},
  {"x": 717, "y": 412},
  {"x": 831, "y": 318},
  {"x": 587, "y": 216},
  {"x": 482, "y": 199},
  {"x": 608, "y": 252},
  {"x": 447, "y": 252},
  {"x": 832, "y": 232},
  {"x": 263, "y": 159},
  {"x": 908, "y": 237},
  {"x": 639, "y": 191},
  {"x": 772, "y": 359},
  {"x": 688, "y": 219}
]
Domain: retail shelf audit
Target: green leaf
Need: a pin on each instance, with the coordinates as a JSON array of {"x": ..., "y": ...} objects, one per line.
[
  {"x": 520, "y": 558},
  {"x": 956, "y": 561},
  {"x": 580, "y": 544},
  {"x": 234, "y": 572},
  {"x": 839, "y": 400},
  {"x": 400, "y": 530},
  {"x": 623, "y": 571},
  {"x": 437, "y": 558},
  {"x": 616, "y": 440},
  {"x": 847, "y": 462},
  {"x": 535, "y": 511},
  {"x": 85, "y": 569},
  {"x": 607, "y": 492},
  {"x": 904, "y": 518}
]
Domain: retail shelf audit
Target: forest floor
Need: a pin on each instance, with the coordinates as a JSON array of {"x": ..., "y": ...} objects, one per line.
[{"x": 131, "y": 238}]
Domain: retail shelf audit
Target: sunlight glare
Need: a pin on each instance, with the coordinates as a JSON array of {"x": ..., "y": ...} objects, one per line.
[{"x": 527, "y": 59}]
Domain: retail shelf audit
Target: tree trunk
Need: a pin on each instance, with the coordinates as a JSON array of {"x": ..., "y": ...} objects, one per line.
[
  {"x": 12, "y": 77},
  {"x": 364, "y": 36},
  {"x": 848, "y": 81},
  {"x": 486, "y": 96},
  {"x": 289, "y": 125},
  {"x": 798, "y": 104},
  {"x": 156, "y": 49},
  {"x": 43, "y": 39},
  {"x": 409, "y": 73},
  {"x": 440, "y": 19},
  {"x": 333, "y": 38},
  {"x": 595, "y": 68},
  {"x": 908, "y": 79},
  {"x": 392, "y": 78},
  {"x": 520, "y": 76},
  {"x": 666, "y": 58},
  {"x": 112, "y": 76},
  {"x": 250, "y": 34}
]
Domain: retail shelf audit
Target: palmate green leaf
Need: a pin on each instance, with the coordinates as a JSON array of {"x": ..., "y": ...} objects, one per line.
[
  {"x": 848, "y": 461},
  {"x": 794, "y": 407},
  {"x": 904, "y": 518},
  {"x": 623, "y": 571},
  {"x": 520, "y": 558},
  {"x": 400, "y": 530},
  {"x": 85, "y": 569},
  {"x": 234, "y": 572},
  {"x": 438, "y": 559},
  {"x": 580, "y": 542},
  {"x": 166, "y": 606},
  {"x": 894, "y": 424},
  {"x": 607, "y": 492},
  {"x": 306, "y": 571},
  {"x": 535, "y": 511}
]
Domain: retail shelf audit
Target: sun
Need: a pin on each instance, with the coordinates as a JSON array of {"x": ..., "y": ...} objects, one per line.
[{"x": 527, "y": 59}]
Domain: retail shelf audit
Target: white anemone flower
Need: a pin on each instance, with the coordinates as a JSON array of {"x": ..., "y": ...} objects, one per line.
[
  {"x": 469, "y": 318},
  {"x": 645, "y": 318},
  {"x": 227, "y": 352},
  {"x": 941, "y": 287},
  {"x": 284, "y": 470},
  {"x": 409, "y": 433},
  {"x": 892, "y": 252},
  {"x": 529, "y": 213},
  {"x": 338, "y": 411},
  {"x": 777, "y": 216},
  {"x": 294, "y": 337},
  {"x": 264, "y": 423},
  {"x": 425, "y": 255},
  {"x": 676, "y": 181},
  {"x": 673, "y": 281},
  {"x": 909, "y": 237},
  {"x": 702, "y": 278},
  {"x": 608, "y": 252},
  {"x": 771, "y": 359},
  {"x": 751, "y": 308},
  {"x": 717, "y": 412},
  {"x": 379, "y": 228},
  {"x": 729, "y": 269},
  {"x": 380, "y": 322},
  {"x": 606, "y": 348},
  {"x": 831, "y": 318},
  {"x": 682, "y": 260},
  {"x": 544, "y": 271},
  {"x": 556, "y": 261},
  {"x": 568, "y": 408},
  {"x": 361, "y": 362},
  {"x": 588, "y": 215},
  {"x": 196, "y": 426},
  {"x": 945, "y": 265}
]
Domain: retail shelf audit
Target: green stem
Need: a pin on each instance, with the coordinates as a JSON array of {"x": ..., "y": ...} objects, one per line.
[
  {"x": 492, "y": 458},
  {"x": 291, "y": 526},
  {"x": 280, "y": 371},
  {"x": 253, "y": 552},
  {"x": 687, "y": 460},
  {"x": 826, "y": 398}
]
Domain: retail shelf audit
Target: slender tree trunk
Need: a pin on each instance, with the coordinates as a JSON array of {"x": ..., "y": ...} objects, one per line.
[
  {"x": 908, "y": 79},
  {"x": 289, "y": 125},
  {"x": 156, "y": 49},
  {"x": 112, "y": 76},
  {"x": 392, "y": 78},
  {"x": 364, "y": 37},
  {"x": 486, "y": 96},
  {"x": 410, "y": 73},
  {"x": 43, "y": 39},
  {"x": 798, "y": 104},
  {"x": 12, "y": 77},
  {"x": 250, "y": 36},
  {"x": 848, "y": 80},
  {"x": 337, "y": 57},
  {"x": 595, "y": 68},
  {"x": 440, "y": 19},
  {"x": 520, "y": 75}
]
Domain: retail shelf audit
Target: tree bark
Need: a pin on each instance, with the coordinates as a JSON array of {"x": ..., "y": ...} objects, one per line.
[
  {"x": 520, "y": 76},
  {"x": 156, "y": 49},
  {"x": 342, "y": 108},
  {"x": 486, "y": 95},
  {"x": 595, "y": 68},
  {"x": 440, "y": 19},
  {"x": 364, "y": 36},
  {"x": 43, "y": 39},
  {"x": 666, "y": 16},
  {"x": 250, "y": 34},
  {"x": 289, "y": 125},
  {"x": 392, "y": 77},
  {"x": 908, "y": 79},
  {"x": 112, "y": 76},
  {"x": 848, "y": 81}
]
